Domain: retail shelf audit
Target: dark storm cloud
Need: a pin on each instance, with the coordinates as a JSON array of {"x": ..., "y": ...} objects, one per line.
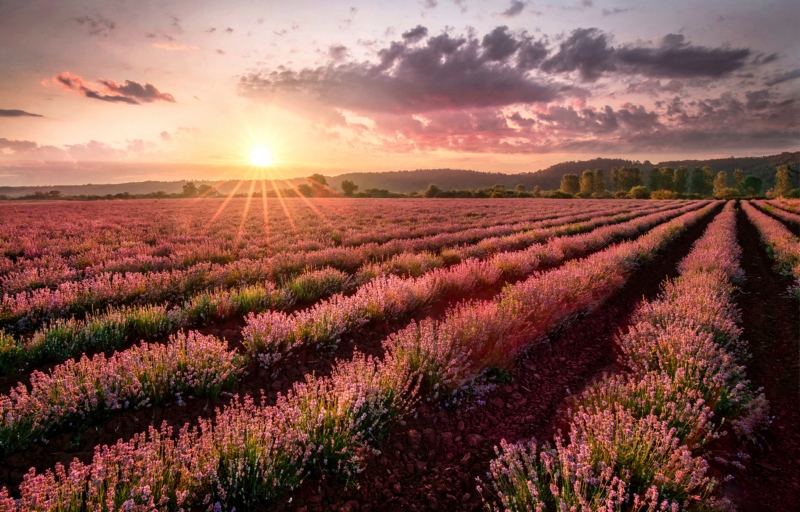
[
  {"x": 589, "y": 52},
  {"x": 514, "y": 9},
  {"x": 17, "y": 113},
  {"x": 416, "y": 34},
  {"x": 132, "y": 93},
  {"x": 97, "y": 24},
  {"x": 446, "y": 72}
]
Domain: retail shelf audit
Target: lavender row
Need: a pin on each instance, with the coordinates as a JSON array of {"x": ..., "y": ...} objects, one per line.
[
  {"x": 252, "y": 453},
  {"x": 773, "y": 208},
  {"x": 634, "y": 438},
  {"x": 782, "y": 246}
]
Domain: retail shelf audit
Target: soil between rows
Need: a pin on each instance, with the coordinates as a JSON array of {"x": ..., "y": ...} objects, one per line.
[
  {"x": 771, "y": 320},
  {"x": 431, "y": 461}
]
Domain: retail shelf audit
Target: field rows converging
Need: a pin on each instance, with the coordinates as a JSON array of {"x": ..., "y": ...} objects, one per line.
[
  {"x": 581, "y": 356},
  {"x": 61, "y": 339},
  {"x": 774, "y": 209},
  {"x": 634, "y": 438},
  {"x": 782, "y": 246},
  {"x": 27, "y": 310},
  {"x": 199, "y": 365},
  {"x": 251, "y": 453},
  {"x": 150, "y": 246}
]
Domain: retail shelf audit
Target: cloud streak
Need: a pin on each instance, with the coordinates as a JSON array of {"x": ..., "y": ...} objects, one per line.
[
  {"x": 132, "y": 93},
  {"x": 17, "y": 113}
]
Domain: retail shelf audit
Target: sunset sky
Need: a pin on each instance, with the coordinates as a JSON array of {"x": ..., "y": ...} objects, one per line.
[{"x": 115, "y": 91}]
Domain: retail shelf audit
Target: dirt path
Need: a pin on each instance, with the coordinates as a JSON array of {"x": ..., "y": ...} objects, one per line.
[
  {"x": 772, "y": 329},
  {"x": 431, "y": 462}
]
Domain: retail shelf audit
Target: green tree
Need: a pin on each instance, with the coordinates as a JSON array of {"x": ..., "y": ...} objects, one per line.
[
  {"x": 520, "y": 188},
  {"x": 681, "y": 179},
  {"x": 738, "y": 180},
  {"x": 204, "y": 189},
  {"x": 537, "y": 191},
  {"x": 587, "y": 183},
  {"x": 702, "y": 181},
  {"x": 783, "y": 181},
  {"x": 318, "y": 178},
  {"x": 305, "y": 189},
  {"x": 599, "y": 182},
  {"x": 570, "y": 184},
  {"x": 654, "y": 180},
  {"x": 625, "y": 178},
  {"x": 752, "y": 185},
  {"x": 349, "y": 188},
  {"x": 639, "y": 192},
  {"x": 667, "y": 178},
  {"x": 720, "y": 182},
  {"x": 432, "y": 191},
  {"x": 189, "y": 189}
]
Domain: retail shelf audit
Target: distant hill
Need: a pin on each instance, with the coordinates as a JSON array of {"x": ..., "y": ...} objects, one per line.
[
  {"x": 550, "y": 178},
  {"x": 418, "y": 180}
]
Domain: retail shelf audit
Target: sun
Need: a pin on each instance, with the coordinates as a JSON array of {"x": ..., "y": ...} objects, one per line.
[{"x": 261, "y": 157}]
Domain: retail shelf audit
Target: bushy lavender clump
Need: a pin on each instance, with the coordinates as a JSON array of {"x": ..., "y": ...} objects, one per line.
[{"x": 138, "y": 377}]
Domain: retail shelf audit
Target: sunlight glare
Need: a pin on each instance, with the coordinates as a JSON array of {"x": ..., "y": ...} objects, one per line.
[{"x": 261, "y": 157}]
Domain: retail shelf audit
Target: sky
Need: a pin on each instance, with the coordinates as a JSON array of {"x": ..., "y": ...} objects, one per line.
[{"x": 120, "y": 90}]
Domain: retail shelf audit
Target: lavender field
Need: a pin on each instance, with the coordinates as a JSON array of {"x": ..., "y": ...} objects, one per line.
[{"x": 339, "y": 354}]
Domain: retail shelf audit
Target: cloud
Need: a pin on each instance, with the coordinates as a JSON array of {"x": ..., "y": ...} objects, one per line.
[
  {"x": 588, "y": 51},
  {"x": 338, "y": 52},
  {"x": 220, "y": 52},
  {"x": 784, "y": 77},
  {"x": 615, "y": 11},
  {"x": 165, "y": 136},
  {"x": 17, "y": 113},
  {"x": 229, "y": 31},
  {"x": 445, "y": 73},
  {"x": 97, "y": 24},
  {"x": 514, "y": 9},
  {"x": 654, "y": 87},
  {"x": 499, "y": 92},
  {"x": 175, "y": 47},
  {"x": 94, "y": 150},
  {"x": 415, "y": 35},
  {"x": 462, "y": 4},
  {"x": 210, "y": 30},
  {"x": 17, "y": 146},
  {"x": 145, "y": 93},
  {"x": 677, "y": 59},
  {"x": 429, "y": 4},
  {"x": 131, "y": 92}
]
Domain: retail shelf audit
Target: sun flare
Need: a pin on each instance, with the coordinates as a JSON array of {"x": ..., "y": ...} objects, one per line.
[{"x": 261, "y": 157}]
